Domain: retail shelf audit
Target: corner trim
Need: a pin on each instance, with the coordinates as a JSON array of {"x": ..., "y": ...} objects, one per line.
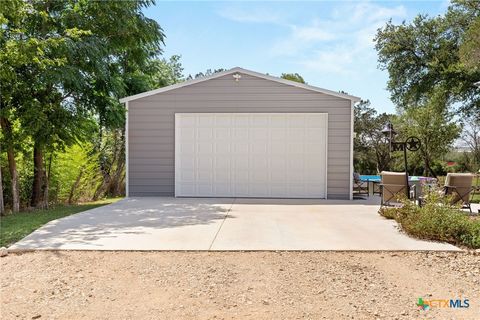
[
  {"x": 352, "y": 113},
  {"x": 127, "y": 167}
]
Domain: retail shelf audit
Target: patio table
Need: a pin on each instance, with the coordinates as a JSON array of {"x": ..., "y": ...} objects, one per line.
[{"x": 419, "y": 182}]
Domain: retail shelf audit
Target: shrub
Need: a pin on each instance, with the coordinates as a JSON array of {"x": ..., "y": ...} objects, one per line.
[{"x": 436, "y": 220}]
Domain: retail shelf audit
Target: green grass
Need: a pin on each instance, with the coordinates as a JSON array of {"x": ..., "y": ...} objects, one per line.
[
  {"x": 14, "y": 227},
  {"x": 475, "y": 198}
]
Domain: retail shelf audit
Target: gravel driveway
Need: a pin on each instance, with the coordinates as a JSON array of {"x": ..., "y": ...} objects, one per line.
[{"x": 236, "y": 285}]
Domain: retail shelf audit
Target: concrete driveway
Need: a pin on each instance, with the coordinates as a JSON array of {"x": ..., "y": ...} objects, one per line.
[{"x": 166, "y": 223}]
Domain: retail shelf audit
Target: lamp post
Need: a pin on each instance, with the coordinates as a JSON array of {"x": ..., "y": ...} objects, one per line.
[{"x": 411, "y": 144}]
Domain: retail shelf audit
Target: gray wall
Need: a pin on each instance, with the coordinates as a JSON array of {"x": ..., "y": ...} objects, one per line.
[{"x": 152, "y": 126}]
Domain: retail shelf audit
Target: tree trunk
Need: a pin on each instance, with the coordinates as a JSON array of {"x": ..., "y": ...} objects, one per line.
[
  {"x": 12, "y": 165},
  {"x": 75, "y": 186},
  {"x": 38, "y": 177},
  {"x": 102, "y": 188},
  {"x": 115, "y": 189},
  {"x": 428, "y": 170},
  {"x": 2, "y": 206},
  {"x": 46, "y": 177}
]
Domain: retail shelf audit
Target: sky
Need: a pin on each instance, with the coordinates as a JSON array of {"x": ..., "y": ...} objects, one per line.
[{"x": 329, "y": 43}]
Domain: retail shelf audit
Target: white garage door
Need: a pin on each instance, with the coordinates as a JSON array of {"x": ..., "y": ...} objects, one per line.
[{"x": 251, "y": 155}]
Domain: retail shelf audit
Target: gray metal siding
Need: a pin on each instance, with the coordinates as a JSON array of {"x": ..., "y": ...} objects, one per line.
[{"x": 152, "y": 126}]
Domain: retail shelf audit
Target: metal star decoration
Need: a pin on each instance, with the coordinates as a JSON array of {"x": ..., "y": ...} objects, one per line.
[{"x": 413, "y": 143}]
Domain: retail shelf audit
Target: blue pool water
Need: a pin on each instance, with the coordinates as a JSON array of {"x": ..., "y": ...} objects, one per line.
[
  {"x": 375, "y": 178},
  {"x": 370, "y": 178}
]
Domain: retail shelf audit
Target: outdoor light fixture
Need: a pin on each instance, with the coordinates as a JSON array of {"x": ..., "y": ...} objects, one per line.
[
  {"x": 236, "y": 76},
  {"x": 411, "y": 144}
]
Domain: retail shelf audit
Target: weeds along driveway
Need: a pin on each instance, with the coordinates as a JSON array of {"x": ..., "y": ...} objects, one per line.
[{"x": 165, "y": 223}]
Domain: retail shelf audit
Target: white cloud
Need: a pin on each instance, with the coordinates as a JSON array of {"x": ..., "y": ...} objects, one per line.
[
  {"x": 332, "y": 61},
  {"x": 338, "y": 42},
  {"x": 301, "y": 39},
  {"x": 342, "y": 41},
  {"x": 369, "y": 12},
  {"x": 312, "y": 33}
]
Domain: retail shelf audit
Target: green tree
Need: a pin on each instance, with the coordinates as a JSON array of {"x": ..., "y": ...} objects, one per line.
[
  {"x": 371, "y": 152},
  {"x": 66, "y": 64},
  {"x": 434, "y": 126},
  {"x": 207, "y": 73},
  {"x": 293, "y": 77},
  {"x": 165, "y": 72},
  {"x": 423, "y": 58},
  {"x": 470, "y": 48}
]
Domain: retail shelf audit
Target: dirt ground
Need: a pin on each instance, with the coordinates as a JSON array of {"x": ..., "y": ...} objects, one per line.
[{"x": 236, "y": 285}]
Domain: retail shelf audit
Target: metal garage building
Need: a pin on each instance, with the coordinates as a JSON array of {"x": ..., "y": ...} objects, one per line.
[{"x": 240, "y": 133}]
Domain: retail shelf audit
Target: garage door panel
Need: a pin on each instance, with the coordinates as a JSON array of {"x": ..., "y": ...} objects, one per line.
[
  {"x": 251, "y": 155},
  {"x": 240, "y": 148},
  {"x": 187, "y": 147},
  {"x": 205, "y": 190},
  {"x": 223, "y": 120},
  {"x": 258, "y": 148},
  {"x": 204, "y": 134},
  {"x": 222, "y": 175},
  {"x": 278, "y": 134},
  {"x": 205, "y": 148},
  {"x": 277, "y": 148},
  {"x": 314, "y": 134},
  {"x": 240, "y": 133},
  {"x": 242, "y": 121},
  {"x": 187, "y": 175},
  {"x": 223, "y": 162},
  {"x": 259, "y": 121},
  {"x": 258, "y": 177},
  {"x": 205, "y": 121},
  {"x": 259, "y": 163},
  {"x": 296, "y": 134},
  {"x": 241, "y": 177},
  {"x": 278, "y": 165},
  {"x": 295, "y": 148},
  {"x": 296, "y": 121},
  {"x": 258, "y": 133},
  {"x": 312, "y": 148},
  {"x": 223, "y": 189},
  {"x": 278, "y": 121},
  {"x": 222, "y": 133},
  {"x": 222, "y": 149},
  {"x": 188, "y": 163}
]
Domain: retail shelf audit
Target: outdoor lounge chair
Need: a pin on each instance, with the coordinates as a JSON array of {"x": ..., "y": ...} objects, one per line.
[
  {"x": 459, "y": 187},
  {"x": 392, "y": 187},
  {"x": 359, "y": 186}
]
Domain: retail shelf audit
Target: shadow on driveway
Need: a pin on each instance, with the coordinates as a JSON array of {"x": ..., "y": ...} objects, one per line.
[{"x": 127, "y": 217}]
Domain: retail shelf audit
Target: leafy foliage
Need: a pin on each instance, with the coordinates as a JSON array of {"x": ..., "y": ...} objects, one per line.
[
  {"x": 436, "y": 220},
  {"x": 64, "y": 66},
  {"x": 423, "y": 58},
  {"x": 293, "y": 77},
  {"x": 207, "y": 73},
  {"x": 372, "y": 154},
  {"x": 435, "y": 128}
]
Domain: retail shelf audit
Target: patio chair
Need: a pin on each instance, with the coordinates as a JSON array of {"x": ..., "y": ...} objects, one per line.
[
  {"x": 359, "y": 186},
  {"x": 393, "y": 185},
  {"x": 459, "y": 187}
]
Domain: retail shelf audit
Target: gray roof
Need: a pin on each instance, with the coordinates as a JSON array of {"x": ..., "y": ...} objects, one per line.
[{"x": 244, "y": 71}]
